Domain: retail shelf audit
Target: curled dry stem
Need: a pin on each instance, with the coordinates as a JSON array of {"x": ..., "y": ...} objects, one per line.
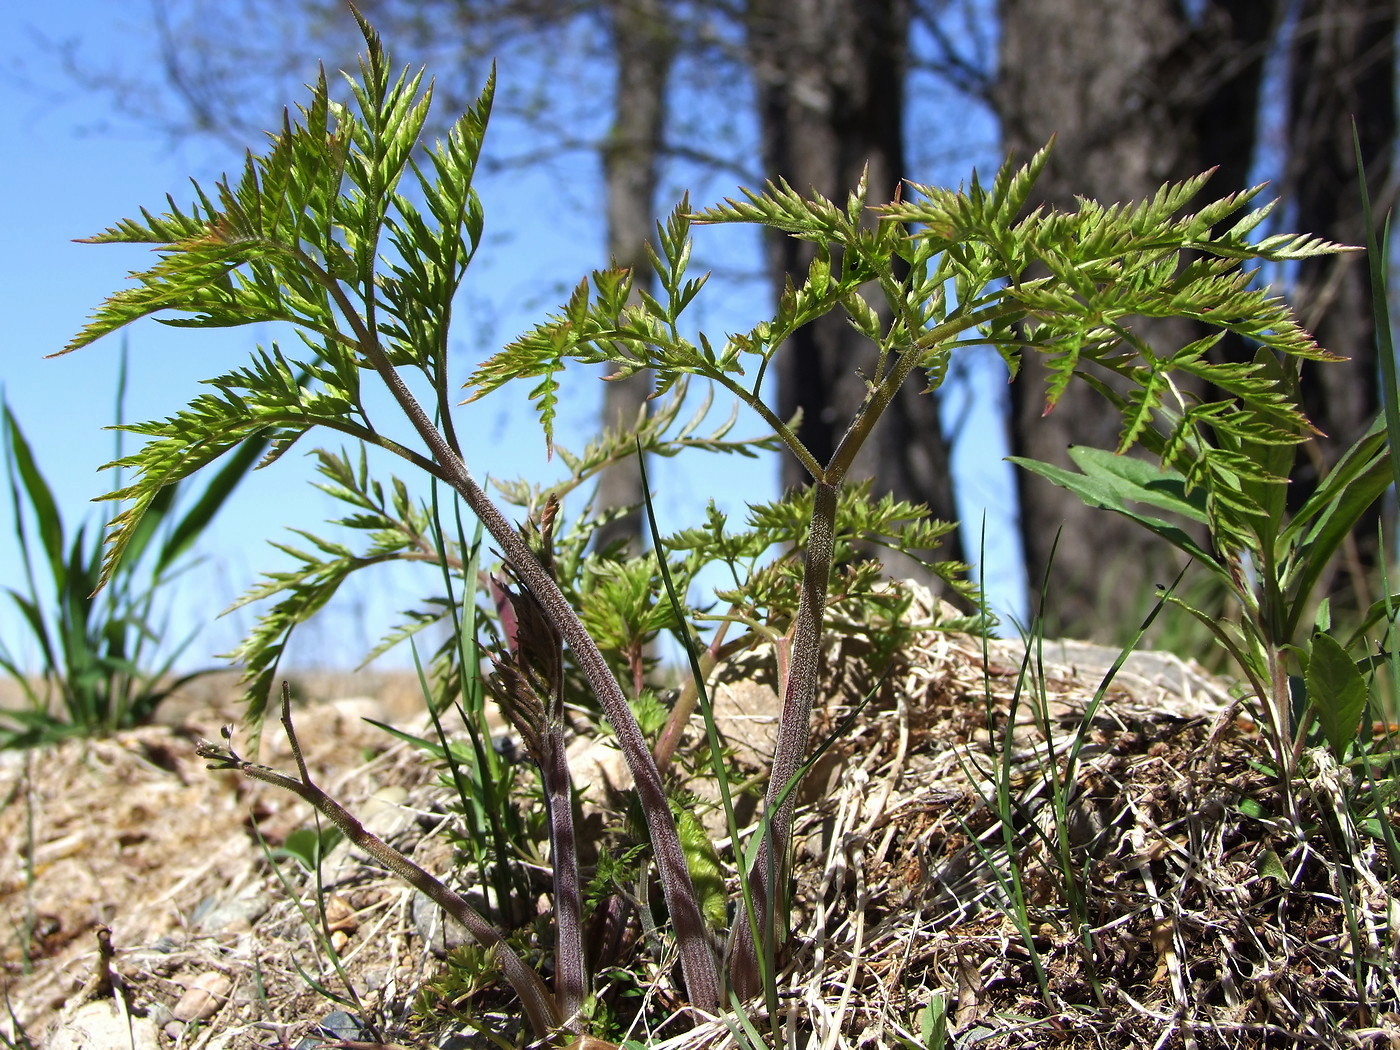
[{"x": 539, "y": 1005}]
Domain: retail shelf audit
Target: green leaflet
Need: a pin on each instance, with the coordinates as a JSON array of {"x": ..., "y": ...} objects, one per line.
[
  {"x": 706, "y": 871},
  {"x": 1337, "y": 692}
]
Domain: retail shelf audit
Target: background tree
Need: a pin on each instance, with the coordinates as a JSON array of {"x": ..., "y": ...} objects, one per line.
[
  {"x": 1157, "y": 91},
  {"x": 1131, "y": 102},
  {"x": 1136, "y": 93},
  {"x": 1342, "y": 66},
  {"x": 830, "y": 80},
  {"x": 644, "y": 46}
]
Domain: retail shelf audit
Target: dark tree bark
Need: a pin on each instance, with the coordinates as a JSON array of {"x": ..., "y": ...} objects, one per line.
[
  {"x": 644, "y": 48},
  {"x": 830, "y": 80},
  {"x": 1136, "y": 95},
  {"x": 1342, "y": 68}
]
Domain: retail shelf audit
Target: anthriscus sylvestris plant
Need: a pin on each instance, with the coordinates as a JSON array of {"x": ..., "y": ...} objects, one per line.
[
  {"x": 354, "y": 231},
  {"x": 1272, "y": 560}
]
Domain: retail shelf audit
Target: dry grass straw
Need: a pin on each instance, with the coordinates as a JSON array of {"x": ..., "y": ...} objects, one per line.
[{"x": 1214, "y": 918}]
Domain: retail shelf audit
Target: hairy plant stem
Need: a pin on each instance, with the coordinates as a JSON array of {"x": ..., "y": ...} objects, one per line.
[
  {"x": 539, "y": 1005},
  {"x": 570, "y": 980},
  {"x": 800, "y": 681},
  {"x": 755, "y": 403},
  {"x": 532, "y": 672},
  {"x": 697, "y": 959},
  {"x": 794, "y": 729}
]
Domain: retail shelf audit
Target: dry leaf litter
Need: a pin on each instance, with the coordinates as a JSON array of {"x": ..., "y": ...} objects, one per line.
[{"x": 1213, "y": 910}]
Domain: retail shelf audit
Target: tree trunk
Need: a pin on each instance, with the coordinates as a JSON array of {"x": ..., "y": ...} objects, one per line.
[
  {"x": 830, "y": 80},
  {"x": 644, "y": 49},
  {"x": 1342, "y": 68},
  {"x": 1136, "y": 95}
]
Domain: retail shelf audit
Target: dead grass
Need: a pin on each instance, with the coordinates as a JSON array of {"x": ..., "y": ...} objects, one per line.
[{"x": 1216, "y": 912}]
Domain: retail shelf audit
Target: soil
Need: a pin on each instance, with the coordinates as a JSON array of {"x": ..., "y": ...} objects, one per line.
[{"x": 1168, "y": 894}]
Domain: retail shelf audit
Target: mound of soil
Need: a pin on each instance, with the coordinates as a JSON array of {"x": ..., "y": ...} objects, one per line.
[{"x": 1053, "y": 862}]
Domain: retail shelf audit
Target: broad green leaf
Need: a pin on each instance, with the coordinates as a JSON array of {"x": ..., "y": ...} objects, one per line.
[
  {"x": 1113, "y": 492},
  {"x": 1142, "y": 481},
  {"x": 1383, "y": 608},
  {"x": 1337, "y": 692},
  {"x": 1322, "y": 524},
  {"x": 706, "y": 871},
  {"x": 1270, "y": 866}
]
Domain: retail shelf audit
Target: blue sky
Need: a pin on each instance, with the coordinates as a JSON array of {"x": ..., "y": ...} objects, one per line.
[{"x": 76, "y": 168}]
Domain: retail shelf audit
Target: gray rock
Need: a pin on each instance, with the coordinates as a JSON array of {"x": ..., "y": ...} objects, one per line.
[
  {"x": 439, "y": 934},
  {"x": 102, "y": 1023},
  {"x": 338, "y": 1025},
  {"x": 213, "y": 915}
]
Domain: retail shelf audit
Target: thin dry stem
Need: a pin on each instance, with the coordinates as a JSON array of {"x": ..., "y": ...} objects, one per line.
[{"x": 539, "y": 1005}]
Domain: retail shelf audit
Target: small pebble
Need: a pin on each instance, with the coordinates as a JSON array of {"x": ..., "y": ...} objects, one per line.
[
  {"x": 203, "y": 997},
  {"x": 159, "y": 1014},
  {"x": 222, "y": 916},
  {"x": 339, "y": 914}
]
